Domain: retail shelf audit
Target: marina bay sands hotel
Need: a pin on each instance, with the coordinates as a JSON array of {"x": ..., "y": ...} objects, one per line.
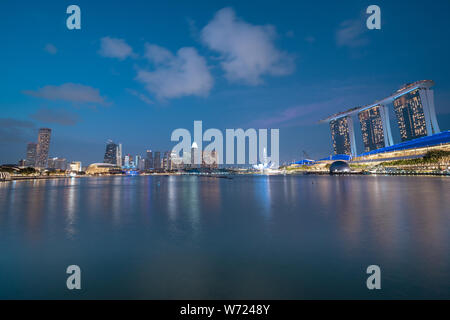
[{"x": 414, "y": 109}]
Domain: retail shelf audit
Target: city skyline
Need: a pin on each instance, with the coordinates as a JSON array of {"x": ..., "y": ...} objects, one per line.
[{"x": 98, "y": 83}]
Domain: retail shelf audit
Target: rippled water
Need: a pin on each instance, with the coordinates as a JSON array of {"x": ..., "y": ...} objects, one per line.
[{"x": 186, "y": 237}]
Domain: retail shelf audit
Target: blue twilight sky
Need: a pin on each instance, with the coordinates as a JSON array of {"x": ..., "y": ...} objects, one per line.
[{"x": 137, "y": 70}]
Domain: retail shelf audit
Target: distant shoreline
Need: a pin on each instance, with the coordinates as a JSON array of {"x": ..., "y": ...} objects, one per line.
[{"x": 22, "y": 178}]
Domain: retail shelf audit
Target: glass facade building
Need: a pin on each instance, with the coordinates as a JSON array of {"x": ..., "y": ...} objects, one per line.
[
  {"x": 111, "y": 153},
  {"x": 410, "y": 116},
  {"x": 372, "y": 128},
  {"x": 343, "y": 136},
  {"x": 31, "y": 154},
  {"x": 43, "y": 147}
]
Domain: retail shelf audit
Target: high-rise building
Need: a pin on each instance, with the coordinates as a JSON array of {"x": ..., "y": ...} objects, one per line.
[
  {"x": 137, "y": 160},
  {"x": 196, "y": 156},
  {"x": 141, "y": 165},
  {"x": 43, "y": 147},
  {"x": 75, "y": 166},
  {"x": 343, "y": 136},
  {"x": 157, "y": 160},
  {"x": 57, "y": 163},
  {"x": 374, "y": 127},
  {"x": 127, "y": 161},
  {"x": 31, "y": 154},
  {"x": 415, "y": 113},
  {"x": 111, "y": 153},
  {"x": 166, "y": 162},
  {"x": 149, "y": 161},
  {"x": 119, "y": 155},
  {"x": 210, "y": 159}
]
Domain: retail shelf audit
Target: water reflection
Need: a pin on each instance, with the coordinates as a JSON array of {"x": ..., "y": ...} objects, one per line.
[
  {"x": 71, "y": 208},
  {"x": 193, "y": 237}
]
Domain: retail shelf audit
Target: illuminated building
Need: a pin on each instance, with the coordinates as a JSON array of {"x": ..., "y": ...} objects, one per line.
[
  {"x": 112, "y": 153},
  {"x": 43, "y": 147},
  {"x": 31, "y": 154},
  {"x": 166, "y": 161},
  {"x": 343, "y": 136},
  {"x": 103, "y": 168},
  {"x": 210, "y": 159},
  {"x": 149, "y": 160},
  {"x": 195, "y": 156},
  {"x": 137, "y": 160},
  {"x": 57, "y": 163},
  {"x": 157, "y": 160},
  {"x": 128, "y": 161},
  {"x": 142, "y": 164},
  {"x": 375, "y": 128},
  {"x": 75, "y": 166},
  {"x": 119, "y": 155},
  {"x": 415, "y": 113},
  {"x": 414, "y": 109}
]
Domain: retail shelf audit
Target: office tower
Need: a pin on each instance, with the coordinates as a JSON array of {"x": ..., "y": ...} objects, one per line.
[
  {"x": 210, "y": 159},
  {"x": 157, "y": 160},
  {"x": 22, "y": 163},
  {"x": 61, "y": 164},
  {"x": 166, "y": 161},
  {"x": 127, "y": 161},
  {"x": 343, "y": 136},
  {"x": 149, "y": 160},
  {"x": 75, "y": 166},
  {"x": 196, "y": 156},
  {"x": 43, "y": 147},
  {"x": 415, "y": 113},
  {"x": 119, "y": 155},
  {"x": 111, "y": 153},
  {"x": 57, "y": 163},
  {"x": 31, "y": 154},
  {"x": 142, "y": 164},
  {"x": 137, "y": 160},
  {"x": 375, "y": 128}
]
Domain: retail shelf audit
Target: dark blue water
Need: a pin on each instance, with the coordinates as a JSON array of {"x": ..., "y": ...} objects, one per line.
[{"x": 252, "y": 237}]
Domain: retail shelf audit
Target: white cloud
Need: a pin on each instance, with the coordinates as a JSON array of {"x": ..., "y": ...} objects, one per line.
[
  {"x": 71, "y": 92},
  {"x": 115, "y": 48},
  {"x": 351, "y": 34},
  {"x": 183, "y": 74},
  {"x": 157, "y": 54},
  {"x": 248, "y": 51},
  {"x": 50, "y": 48}
]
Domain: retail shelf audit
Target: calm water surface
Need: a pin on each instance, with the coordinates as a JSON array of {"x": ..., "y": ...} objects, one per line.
[{"x": 252, "y": 237}]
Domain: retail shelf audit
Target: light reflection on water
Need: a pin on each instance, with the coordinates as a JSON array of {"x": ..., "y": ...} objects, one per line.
[{"x": 254, "y": 237}]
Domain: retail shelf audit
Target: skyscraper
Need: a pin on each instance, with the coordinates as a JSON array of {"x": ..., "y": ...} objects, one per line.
[
  {"x": 57, "y": 163},
  {"x": 157, "y": 160},
  {"x": 343, "y": 136},
  {"x": 141, "y": 165},
  {"x": 119, "y": 155},
  {"x": 112, "y": 153},
  {"x": 149, "y": 161},
  {"x": 137, "y": 160},
  {"x": 210, "y": 159},
  {"x": 43, "y": 147},
  {"x": 415, "y": 114},
  {"x": 196, "y": 156},
  {"x": 31, "y": 154},
  {"x": 410, "y": 116},
  {"x": 372, "y": 128},
  {"x": 127, "y": 160}
]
